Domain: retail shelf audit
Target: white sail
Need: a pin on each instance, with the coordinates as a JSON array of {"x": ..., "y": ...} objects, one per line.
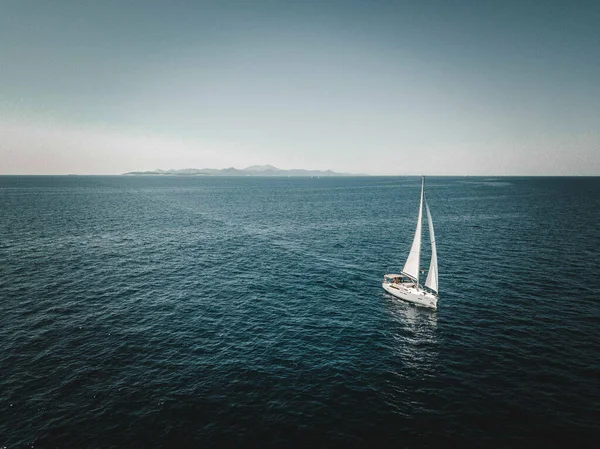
[
  {"x": 411, "y": 267},
  {"x": 432, "y": 275}
]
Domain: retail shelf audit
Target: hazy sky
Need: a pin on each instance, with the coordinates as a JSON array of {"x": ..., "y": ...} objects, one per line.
[{"x": 380, "y": 87}]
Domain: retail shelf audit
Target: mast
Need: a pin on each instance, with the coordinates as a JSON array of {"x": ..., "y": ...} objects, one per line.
[{"x": 412, "y": 265}]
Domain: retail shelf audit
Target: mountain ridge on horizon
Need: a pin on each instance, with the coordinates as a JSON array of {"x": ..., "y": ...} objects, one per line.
[{"x": 253, "y": 170}]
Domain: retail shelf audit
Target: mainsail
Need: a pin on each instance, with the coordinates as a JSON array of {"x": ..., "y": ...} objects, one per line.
[
  {"x": 411, "y": 267},
  {"x": 432, "y": 275}
]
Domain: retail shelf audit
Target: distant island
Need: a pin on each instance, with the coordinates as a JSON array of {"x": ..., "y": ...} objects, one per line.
[{"x": 254, "y": 170}]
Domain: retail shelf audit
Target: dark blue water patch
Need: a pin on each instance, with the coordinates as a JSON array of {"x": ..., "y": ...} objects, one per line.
[{"x": 186, "y": 312}]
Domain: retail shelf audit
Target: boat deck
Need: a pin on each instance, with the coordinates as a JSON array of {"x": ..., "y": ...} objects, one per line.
[{"x": 409, "y": 292}]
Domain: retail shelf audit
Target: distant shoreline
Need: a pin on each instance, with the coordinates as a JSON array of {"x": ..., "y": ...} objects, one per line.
[{"x": 254, "y": 170}]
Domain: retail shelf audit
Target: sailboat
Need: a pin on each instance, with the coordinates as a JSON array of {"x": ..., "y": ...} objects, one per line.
[{"x": 406, "y": 284}]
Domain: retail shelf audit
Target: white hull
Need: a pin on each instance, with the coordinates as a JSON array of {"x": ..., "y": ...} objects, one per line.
[{"x": 409, "y": 293}]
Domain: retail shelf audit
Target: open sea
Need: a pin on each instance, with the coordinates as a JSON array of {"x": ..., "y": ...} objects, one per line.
[{"x": 181, "y": 312}]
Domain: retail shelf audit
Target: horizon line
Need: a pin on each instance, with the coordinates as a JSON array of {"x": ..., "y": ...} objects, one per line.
[{"x": 366, "y": 175}]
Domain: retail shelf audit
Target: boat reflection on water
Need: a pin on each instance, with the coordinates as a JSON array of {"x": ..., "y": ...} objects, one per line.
[
  {"x": 414, "y": 335},
  {"x": 415, "y": 317}
]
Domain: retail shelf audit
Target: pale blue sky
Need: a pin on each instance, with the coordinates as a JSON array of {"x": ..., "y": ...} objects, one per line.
[{"x": 382, "y": 87}]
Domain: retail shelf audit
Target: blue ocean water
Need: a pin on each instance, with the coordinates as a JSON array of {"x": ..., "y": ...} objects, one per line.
[{"x": 212, "y": 312}]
